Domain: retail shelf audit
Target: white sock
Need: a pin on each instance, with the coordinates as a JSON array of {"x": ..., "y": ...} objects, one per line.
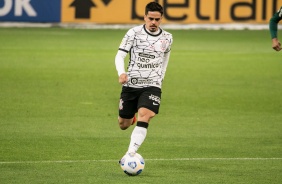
[{"x": 137, "y": 138}]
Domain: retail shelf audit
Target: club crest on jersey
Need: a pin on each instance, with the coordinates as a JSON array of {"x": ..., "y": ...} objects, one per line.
[
  {"x": 163, "y": 45},
  {"x": 120, "y": 104}
]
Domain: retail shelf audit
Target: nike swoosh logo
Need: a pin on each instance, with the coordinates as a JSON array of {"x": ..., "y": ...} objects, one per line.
[{"x": 155, "y": 103}]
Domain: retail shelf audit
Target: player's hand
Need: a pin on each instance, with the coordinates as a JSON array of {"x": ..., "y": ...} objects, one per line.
[
  {"x": 276, "y": 44},
  {"x": 123, "y": 78}
]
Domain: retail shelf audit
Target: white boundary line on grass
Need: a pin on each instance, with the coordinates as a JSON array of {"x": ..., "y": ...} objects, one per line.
[{"x": 157, "y": 159}]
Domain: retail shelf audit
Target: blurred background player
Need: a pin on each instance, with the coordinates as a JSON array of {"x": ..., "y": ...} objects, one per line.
[
  {"x": 149, "y": 47},
  {"x": 273, "y": 27}
]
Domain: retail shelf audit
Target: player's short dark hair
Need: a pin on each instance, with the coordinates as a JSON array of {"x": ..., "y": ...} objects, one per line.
[{"x": 154, "y": 6}]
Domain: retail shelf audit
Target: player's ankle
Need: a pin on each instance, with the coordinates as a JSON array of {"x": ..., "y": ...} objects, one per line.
[{"x": 131, "y": 152}]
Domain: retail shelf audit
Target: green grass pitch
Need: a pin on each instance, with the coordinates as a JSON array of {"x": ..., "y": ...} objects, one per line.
[{"x": 220, "y": 119}]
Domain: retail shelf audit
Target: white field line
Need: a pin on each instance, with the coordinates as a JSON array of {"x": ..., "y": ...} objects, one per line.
[{"x": 157, "y": 159}]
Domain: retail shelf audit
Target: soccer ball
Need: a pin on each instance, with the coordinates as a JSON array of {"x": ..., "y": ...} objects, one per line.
[{"x": 132, "y": 165}]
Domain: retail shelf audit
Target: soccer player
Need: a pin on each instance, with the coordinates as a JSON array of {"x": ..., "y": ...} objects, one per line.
[
  {"x": 149, "y": 48},
  {"x": 273, "y": 27}
]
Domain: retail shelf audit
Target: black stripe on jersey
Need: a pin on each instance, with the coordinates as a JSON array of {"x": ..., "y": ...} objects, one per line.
[
  {"x": 123, "y": 50},
  {"x": 168, "y": 51},
  {"x": 152, "y": 34}
]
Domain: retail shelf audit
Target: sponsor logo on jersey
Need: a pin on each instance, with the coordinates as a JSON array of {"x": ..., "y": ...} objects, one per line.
[
  {"x": 146, "y": 55},
  {"x": 145, "y": 58},
  {"x": 149, "y": 65},
  {"x": 134, "y": 80},
  {"x": 141, "y": 81}
]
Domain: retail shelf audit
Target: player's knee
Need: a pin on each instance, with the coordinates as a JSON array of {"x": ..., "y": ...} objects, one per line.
[
  {"x": 123, "y": 127},
  {"x": 146, "y": 114}
]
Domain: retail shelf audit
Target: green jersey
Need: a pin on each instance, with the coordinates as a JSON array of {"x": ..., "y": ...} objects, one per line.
[{"x": 273, "y": 24}]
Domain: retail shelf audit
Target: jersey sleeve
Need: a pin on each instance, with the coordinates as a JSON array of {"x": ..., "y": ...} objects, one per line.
[
  {"x": 166, "y": 57},
  {"x": 273, "y": 23},
  {"x": 119, "y": 62},
  {"x": 127, "y": 41},
  {"x": 170, "y": 43}
]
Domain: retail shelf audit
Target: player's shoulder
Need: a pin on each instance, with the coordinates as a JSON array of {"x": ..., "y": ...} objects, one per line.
[
  {"x": 134, "y": 30},
  {"x": 138, "y": 28},
  {"x": 166, "y": 33}
]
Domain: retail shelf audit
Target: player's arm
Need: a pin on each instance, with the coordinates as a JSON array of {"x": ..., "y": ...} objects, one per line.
[
  {"x": 119, "y": 62},
  {"x": 273, "y": 28},
  {"x": 166, "y": 59},
  {"x": 165, "y": 63},
  {"x": 124, "y": 48}
]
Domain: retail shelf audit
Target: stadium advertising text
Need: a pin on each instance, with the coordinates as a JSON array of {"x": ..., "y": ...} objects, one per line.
[
  {"x": 132, "y": 11},
  {"x": 218, "y": 11},
  {"x": 30, "y": 10},
  {"x": 19, "y": 7},
  {"x": 175, "y": 11}
]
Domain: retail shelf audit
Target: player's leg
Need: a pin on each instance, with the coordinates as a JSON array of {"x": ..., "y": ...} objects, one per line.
[
  {"x": 139, "y": 133},
  {"x": 145, "y": 115},
  {"x": 124, "y": 123},
  {"x": 127, "y": 108},
  {"x": 148, "y": 107}
]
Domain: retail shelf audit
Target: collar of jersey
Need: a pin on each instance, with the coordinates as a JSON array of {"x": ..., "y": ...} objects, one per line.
[{"x": 152, "y": 34}]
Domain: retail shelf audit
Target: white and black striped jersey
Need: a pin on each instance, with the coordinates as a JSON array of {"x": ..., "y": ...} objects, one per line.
[{"x": 149, "y": 55}]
